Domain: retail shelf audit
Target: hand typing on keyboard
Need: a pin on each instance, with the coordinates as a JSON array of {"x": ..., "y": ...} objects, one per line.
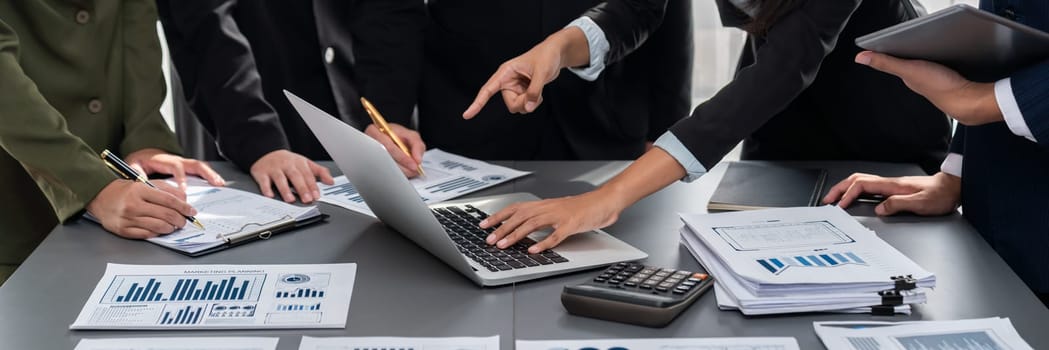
[{"x": 461, "y": 224}]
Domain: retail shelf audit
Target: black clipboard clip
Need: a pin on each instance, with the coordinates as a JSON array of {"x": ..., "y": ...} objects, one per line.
[{"x": 266, "y": 231}]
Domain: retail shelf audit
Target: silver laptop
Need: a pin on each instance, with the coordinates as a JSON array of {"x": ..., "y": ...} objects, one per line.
[{"x": 449, "y": 230}]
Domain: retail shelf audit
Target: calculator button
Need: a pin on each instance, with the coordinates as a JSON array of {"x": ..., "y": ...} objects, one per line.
[
  {"x": 635, "y": 280},
  {"x": 700, "y": 276},
  {"x": 680, "y": 291},
  {"x": 672, "y": 280},
  {"x": 600, "y": 280},
  {"x": 634, "y": 268},
  {"x": 646, "y": 286},
  {"x": 648, "y": 271},
  {"x": 621, "y": 265},
  {"x": 652, "y": 281},
  {"x": 643, "y": 275},
  {"x": 630, "y": 284},
  {"x": 662, "y": 289},
  {"x": 666, "y": 285},
  {"x": 688, "y": 283},
  {"x": 662, "y": 274}
]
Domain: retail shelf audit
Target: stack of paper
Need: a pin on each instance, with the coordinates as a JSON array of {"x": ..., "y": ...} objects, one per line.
[
  {"x": 799, "y": 260},
  {"x": 987, "y": 333}
]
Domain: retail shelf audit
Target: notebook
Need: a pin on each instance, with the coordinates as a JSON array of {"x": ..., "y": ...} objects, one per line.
[
  {"x": 749, "y": 186},
  {"x": 232, "y": 217}
]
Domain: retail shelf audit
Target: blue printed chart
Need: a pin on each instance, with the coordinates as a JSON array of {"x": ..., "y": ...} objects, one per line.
[
  {"x": 951, "y": 341},
  {"x": 818, "y": 260},
  {"x": 219, "y": 297},
  {"x": 447, "y": 176}
]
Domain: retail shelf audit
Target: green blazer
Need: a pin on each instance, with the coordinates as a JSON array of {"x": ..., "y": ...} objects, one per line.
[{"x": 76, "y": 77}]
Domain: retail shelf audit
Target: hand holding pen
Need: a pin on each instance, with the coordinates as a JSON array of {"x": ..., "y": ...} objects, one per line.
[
  {"x": 404, "y": 145},
  {"x": 132, "y": 209}
]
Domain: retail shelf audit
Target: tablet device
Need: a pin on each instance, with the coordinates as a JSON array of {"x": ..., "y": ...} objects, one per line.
[{"x": 978, "y": 44}]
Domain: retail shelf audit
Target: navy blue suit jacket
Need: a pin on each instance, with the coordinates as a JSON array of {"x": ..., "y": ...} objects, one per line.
[{"x": 1005, "y": 177}]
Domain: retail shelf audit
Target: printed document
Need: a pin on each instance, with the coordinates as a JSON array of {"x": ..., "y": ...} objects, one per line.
[
  {"x": 447, "y": 176},
  {"x": 173, "y": 343},
  {"x": 399, "y": 343},
  {"x": 167, "y": 297},
  {"x": 225, "y": 211},
  {"x": 809, "y": 249},
  {"x": 662, "y": 344},
  {"x": 976, "y": 334}
]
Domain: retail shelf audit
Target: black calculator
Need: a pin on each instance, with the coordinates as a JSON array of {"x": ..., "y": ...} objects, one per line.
[{"x": 636, "y": 294}]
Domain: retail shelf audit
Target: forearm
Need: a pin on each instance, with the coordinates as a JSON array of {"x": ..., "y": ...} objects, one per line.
[{"x": 652, "y": 172}]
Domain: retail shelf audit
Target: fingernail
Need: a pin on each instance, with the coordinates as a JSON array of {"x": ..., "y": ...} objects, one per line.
[
  {"x": 502, "y": 243},
  {"x": 530, "y": 106},
  {"x": 483, "y": 224},
  {"x": 533, "y": 250},
  {"x": 490, "y": 239},
  {"x": 306, "y": 198},
  {"x": 863, "y": 59},
  {"x": 192, "y": 211},
  {"x": 880, "y": 209},
  {"x": 317, "y": 194}
]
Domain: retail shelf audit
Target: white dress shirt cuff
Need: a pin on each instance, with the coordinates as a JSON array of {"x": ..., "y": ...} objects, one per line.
[
  {"x": 952, "y": 165},
  {"x": 693, "y": 168},
  {"x": 1014, "y": 118},
  {"x": 595, "y": 39}
]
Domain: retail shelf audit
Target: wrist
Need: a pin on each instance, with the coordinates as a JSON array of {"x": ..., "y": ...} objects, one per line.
[
  {"x": 571, "y": 43},
  {"x": 985, "y": 103}
]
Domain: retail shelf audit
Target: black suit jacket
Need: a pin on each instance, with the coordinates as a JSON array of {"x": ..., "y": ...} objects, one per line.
[
  {"x": 611, "y": 118},
  {"x": 235, "y": 57},
  {"x": 797, "y": 94}
]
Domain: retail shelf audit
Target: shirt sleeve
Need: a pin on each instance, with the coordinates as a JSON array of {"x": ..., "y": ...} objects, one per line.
[
  {"x": 598, "y": 43},
  {"x": 952, "y": 164},
  {"x": 669, "y": 143},
  {"x": 1014, "y": 118},
  {"x": 1030, "y": 87}
]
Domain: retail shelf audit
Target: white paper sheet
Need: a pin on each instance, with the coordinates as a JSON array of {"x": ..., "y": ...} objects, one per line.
[
  {"x": 976, "y": 334},
  {"x": 447, "y": 176},
  {"x": 219, "y": 297},
  {"x": 180, "y": 343},
  {"x": 399, "y": 343},
  {"x": 223, "y": 211},
  {"x": 818, "y": 250},
  {"x": 662, "y": 344}
]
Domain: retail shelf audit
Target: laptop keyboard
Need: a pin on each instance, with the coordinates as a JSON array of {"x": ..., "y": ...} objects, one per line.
[{"x": 461, "y": 223}]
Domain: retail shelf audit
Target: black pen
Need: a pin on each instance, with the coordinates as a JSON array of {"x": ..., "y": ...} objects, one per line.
[{"x": 124, "y": 170}]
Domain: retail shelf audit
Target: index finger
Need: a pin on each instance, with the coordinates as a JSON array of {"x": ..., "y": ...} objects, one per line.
[
  {"x": 167, "y": 200},
  {"x": 174, "y": 191},
  {"x": 490, "y": 88}
]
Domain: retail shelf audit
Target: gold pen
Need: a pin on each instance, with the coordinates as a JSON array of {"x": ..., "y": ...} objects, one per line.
[
  {"x": 384, "y": 128},
  {"x": 125, "y": 171}
]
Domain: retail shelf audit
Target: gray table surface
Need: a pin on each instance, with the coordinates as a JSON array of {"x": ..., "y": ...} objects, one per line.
[{"x": 403, "y": 291}]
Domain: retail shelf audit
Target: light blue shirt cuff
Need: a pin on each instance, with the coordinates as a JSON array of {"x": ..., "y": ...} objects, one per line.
[
  {"x": 595, "y": 39},
  {"x": 669, "y": 143}
]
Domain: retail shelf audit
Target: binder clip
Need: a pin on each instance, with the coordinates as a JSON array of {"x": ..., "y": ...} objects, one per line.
[
  {"x": 904, "y": 282},
  {"x": 883, "y": 310}
]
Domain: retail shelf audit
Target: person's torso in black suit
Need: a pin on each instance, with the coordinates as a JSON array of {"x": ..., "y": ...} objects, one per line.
[
  {"x": 850, "y": 111},
  {"x": 610, "y": 118},
  {"x": 329, "y": 52}
]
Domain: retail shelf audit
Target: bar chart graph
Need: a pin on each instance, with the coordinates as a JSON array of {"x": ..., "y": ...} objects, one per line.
[
  {"x": 452, "y": 165},
  {"x": 187, "y": 315},
  {"x": 821, "y": 260},
  {"x": 300, "y": 293},
  {"x": 951, "y": 341},
  {"x": 345, "y": 190},
  {"x": 298, "y": 307},
  {"x": 459, "y": 185},
  {"x": 140, "y": 289}
]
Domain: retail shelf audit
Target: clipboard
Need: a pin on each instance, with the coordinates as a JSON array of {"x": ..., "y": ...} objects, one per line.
[{"x": 251, "y": 234}]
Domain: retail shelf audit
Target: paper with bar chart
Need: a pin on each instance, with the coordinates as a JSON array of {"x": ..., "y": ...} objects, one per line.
[
  {"x": 399, "y": 343},
  {"x": 975, "y": 334},
  {"x": 821, "y": 245},
  {"x": 179, "y": 343},
  {"x": 447, "y": 176},
  {"x": 219, "y": 297},
  {"x": 757, "y": 343}
]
